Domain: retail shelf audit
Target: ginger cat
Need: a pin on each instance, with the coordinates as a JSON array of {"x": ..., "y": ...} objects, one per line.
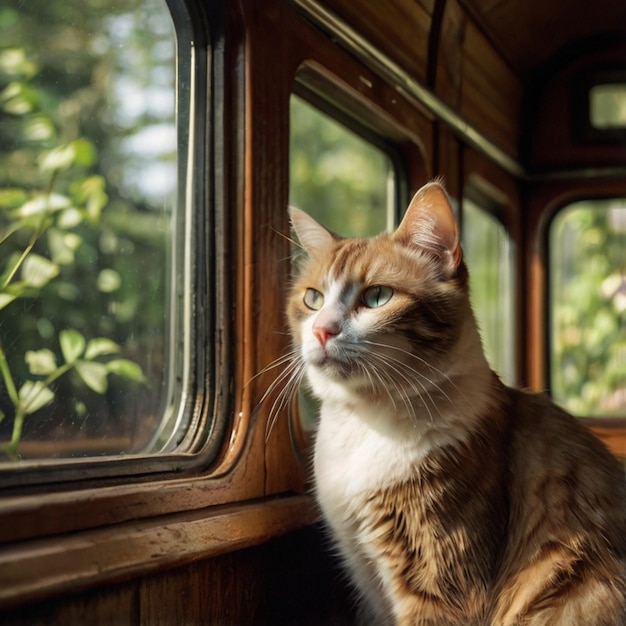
[{"x": 452, "y": 499}]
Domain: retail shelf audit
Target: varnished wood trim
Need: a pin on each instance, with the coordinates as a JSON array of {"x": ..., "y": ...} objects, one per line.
[
  {"x": 405, "y": 83},
  {"x": 49, "y": 567}
]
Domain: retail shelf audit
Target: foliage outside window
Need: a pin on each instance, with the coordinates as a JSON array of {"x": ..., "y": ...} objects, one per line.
[
  {"x": 588, "y": 307},
  {"x": 488, "y": 253},
  {"x": 342, "y": 180},
  {"x": 88, "y": 188}
]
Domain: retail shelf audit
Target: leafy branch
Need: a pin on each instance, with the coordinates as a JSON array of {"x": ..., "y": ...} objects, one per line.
[
  {"x": 27, "y": 273},
  {"x": 78, "y": 355}
]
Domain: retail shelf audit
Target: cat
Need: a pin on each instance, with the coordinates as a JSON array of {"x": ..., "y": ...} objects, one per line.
[{"x": 452, "y": 499}]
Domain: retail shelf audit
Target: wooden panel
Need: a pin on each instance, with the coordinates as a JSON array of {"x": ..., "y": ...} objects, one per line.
[
  {"x": 114, "y": 605},
  {"x": 491, "y": 94},
  {"x": 556, "y": 141},
  {"x": 527, "y": 34},
  {"x": 398, "y": 28},
  {"x": 448, "y": 165},
  {"x": 112, "y": 553},
  {"x": 271, "y": 65},
  {"x": 290, "y": 580},
  {"x": 449, "y": 60}
]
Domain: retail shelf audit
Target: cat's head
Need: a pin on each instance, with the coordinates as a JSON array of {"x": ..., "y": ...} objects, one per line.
[{"x": 383, "y": 312}]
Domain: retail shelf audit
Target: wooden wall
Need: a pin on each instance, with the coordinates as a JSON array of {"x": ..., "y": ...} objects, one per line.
[{"x": 287, "y": 581}]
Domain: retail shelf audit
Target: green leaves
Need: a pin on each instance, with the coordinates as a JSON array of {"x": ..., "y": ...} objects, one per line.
[
  {"x": 55, "y": 257},
  {"x": 72, "y": 345},
  {"x": 79, "y": 152},
  {"x": 18, "y": 98},
  {"x": 41, "y": 362},
  {"x": 94, "y": 374},
  {"x": 100, "y": 346},
  {"x": 37, "y": 271},
  {"x": 14, "y": 62},
  {"x": 126, "y": 369},
  {"x": 108, "y": 281},
  {"x": 34, "y": 395},
  {"x": 12, "y": 197}
]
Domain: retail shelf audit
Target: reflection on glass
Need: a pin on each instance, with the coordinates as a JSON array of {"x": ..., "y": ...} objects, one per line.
[
  {"x": 88, "y": 188},
  {"x": 488, "y": 254},
  {"x": 588, "y": 307}
]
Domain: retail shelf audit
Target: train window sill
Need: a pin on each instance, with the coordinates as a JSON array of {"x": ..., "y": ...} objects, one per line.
[{"x": 31, "y": 571}]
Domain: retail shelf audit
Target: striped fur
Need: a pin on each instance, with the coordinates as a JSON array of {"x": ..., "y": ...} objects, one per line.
[{"x": 452, "y": 499}]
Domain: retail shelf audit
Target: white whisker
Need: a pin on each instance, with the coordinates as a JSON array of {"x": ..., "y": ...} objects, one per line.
[
  {"x": 423, "y": 395},
  {"x": 411, "y": 355},
  {"x": 291, "y": 377}
]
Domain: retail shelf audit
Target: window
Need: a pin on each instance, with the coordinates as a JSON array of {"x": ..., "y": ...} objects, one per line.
[
  {"x": 94, "y": 289},
  {"x": 488, "y": 253},
  {"x": 588, "y": 307},
  {"x": 337, "y": 176},
  {"x": 342, "y": 180},
  {"x": 607, "y": 106}
]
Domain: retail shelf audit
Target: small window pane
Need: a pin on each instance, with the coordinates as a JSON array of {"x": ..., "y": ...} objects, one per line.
[
  {"x": 88, "y": 216},
  {"x": 338, "y": 177},
  {"x": 588, "y": 307},
  {"x": 607, "y": 106},
  {"x": 488, "y": 253}
]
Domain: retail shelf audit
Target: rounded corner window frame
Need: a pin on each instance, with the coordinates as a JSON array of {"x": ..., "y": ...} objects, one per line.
[
  {"x": 545, "y": 237},
  {"x": 200, "y": 63}
]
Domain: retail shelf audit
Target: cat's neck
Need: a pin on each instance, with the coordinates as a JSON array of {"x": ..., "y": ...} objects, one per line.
[{"x": 450, "y": 404}]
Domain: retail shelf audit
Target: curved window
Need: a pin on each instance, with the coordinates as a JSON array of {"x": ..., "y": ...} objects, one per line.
[
  {"x": 94, "y": 286},
  {"x": 488, "y": 250},
  {"x": 588, "y": 307}
]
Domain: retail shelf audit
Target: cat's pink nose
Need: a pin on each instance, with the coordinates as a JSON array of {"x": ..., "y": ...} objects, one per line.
[{"x": 324, "y": 333}]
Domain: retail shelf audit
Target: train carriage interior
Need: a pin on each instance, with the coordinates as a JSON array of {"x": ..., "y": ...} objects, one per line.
[{"x": 151, "y": 472}]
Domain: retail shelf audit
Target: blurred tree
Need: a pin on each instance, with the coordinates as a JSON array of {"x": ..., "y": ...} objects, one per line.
[
  {"x": 337, "y": 176},
  {"x": 588, "y": 300},
  {"x": 88, "y": 183}
]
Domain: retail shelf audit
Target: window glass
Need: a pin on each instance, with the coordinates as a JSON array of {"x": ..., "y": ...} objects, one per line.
[
  {"x": 338, "y": 177},
  {"x": 342, "y": 180},
  {"x": 607, "y": 106},
  {"x": 588, "y": 307},
  {"x": 488, "y": 253},
  {"x": 89, "y": 182}
]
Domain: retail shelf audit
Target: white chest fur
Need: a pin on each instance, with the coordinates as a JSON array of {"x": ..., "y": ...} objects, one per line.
[{"x": 366, "y": 447}]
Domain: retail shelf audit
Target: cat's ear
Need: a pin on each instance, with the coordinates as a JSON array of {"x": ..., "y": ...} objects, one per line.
[
  {"x": 429, "y": 223},
  {"x": 312, "y": 236}
]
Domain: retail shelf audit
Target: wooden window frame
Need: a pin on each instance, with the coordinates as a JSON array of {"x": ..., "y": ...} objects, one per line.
[
  {"x": 502, "y": 192},
  {"x": 545, "y": 199},
  {"x": 200, "y": 441},
  {"x": 488, "y": 198}
]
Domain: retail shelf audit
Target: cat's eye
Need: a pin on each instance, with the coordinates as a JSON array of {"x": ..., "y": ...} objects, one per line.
[
  {"x": 313, "y": 299},
  {"x": 376, "y": 296}
]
